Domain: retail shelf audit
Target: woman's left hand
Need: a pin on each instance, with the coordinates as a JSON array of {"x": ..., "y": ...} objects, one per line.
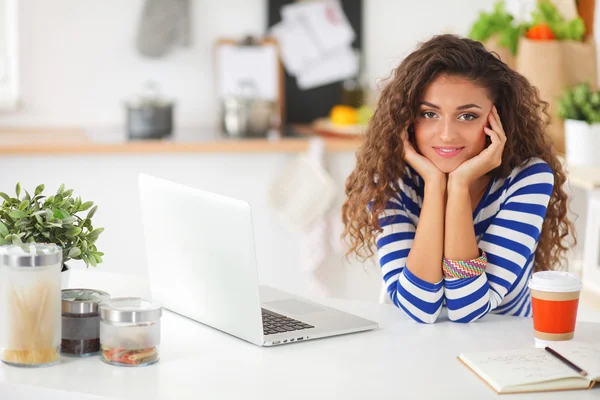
[{"x": 488, "y": 159}]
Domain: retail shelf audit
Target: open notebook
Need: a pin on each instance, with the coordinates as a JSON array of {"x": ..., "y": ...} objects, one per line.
[{"x": 536, "y": 370}]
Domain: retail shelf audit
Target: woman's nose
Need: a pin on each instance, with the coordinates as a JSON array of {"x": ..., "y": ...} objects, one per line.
[{"x": 446, "y": 131}]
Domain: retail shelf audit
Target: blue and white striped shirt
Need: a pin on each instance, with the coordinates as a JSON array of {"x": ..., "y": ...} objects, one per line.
[{"x": 507, "y": 222}]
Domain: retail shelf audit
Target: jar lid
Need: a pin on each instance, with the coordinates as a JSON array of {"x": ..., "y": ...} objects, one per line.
[
  {"x": 150, "y": 96},
  {"x": 555, "y": 281},
  {"x": 82, "y": 301},
  {"x": 130, "y": 309},
  {"x": 30, "y": 255}
]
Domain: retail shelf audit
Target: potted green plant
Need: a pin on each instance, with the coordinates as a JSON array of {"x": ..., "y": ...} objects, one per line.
[
  {"x": 579, "y": 106},
  {"x": 54, "y": 219}
]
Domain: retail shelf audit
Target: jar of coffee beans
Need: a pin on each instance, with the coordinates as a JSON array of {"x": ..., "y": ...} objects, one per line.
[{"x": 81, "y": 321}]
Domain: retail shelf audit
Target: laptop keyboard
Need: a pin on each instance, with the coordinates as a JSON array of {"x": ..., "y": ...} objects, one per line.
[{"x": 274, "y": 323}]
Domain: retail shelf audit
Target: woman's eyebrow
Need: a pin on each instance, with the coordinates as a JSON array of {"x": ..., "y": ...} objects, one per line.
[
  {"x": 463, "y": 107},
  {"x": 470, "y": 105}
]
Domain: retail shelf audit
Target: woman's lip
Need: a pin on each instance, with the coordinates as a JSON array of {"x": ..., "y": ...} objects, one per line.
[{"x": 448, "y": 152}]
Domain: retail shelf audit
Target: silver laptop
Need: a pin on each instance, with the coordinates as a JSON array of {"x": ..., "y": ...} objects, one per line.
[{"x": 202, "y": 265}]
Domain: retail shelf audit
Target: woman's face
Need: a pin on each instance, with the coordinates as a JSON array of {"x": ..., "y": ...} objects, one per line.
[{"x": 451, "y": 118}]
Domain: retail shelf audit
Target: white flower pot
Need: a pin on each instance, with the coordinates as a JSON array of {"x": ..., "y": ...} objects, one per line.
[{"x": 582, "y": 143}]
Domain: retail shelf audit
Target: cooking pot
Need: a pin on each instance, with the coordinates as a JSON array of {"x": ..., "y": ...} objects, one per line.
[{"x": 149, "y": 114}]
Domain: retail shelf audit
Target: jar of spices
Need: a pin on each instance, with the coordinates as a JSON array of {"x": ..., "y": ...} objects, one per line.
[
  {"x": 30, "y": 328},
  {"x": 81, "y": 321},
  {"x": 130, "y": 331}
]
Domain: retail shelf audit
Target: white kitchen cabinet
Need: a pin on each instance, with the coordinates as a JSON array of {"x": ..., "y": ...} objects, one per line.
[{"x": 9, "y": 55}]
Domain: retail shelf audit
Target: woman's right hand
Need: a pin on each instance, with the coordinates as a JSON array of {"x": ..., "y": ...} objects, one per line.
[{"x": 424, "y": 167}]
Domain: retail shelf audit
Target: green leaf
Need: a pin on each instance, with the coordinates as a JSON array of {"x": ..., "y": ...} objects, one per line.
[
  {"x": 86, "y": 205},
  {"x": 91, "y": 213},
  {"x": 5, "y": 196},
  {"x": 68, "y": 193},
  {"x": 94, "y": 234},
  {"x": 74, "y": 252},
  {"x": 58, "y": 213},
  {"x": 84, "y": 246},
  {"x": 92, "y": 260},
  {"x": 17, "y": 214},
  {"x": 39, "y": 189},
  {"x": 22, "y": 223},
  {"x": 72, "y": 233},
  {"x": 3, "y": 230},
  {"x": 61, "y": 188},
  {"x": 3, "y": 241},
  {"x": 18, "y": 189},
  {"x": 16, "y": 239},
  {"x": 23, "y": 205},
  {"x": 49, "y": 201}
]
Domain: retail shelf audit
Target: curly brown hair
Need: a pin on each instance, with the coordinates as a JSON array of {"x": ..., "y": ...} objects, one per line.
[{"x": 380, "y": 160}]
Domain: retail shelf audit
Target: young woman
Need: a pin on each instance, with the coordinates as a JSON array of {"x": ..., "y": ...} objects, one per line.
[{"x": 456, "y": 185}]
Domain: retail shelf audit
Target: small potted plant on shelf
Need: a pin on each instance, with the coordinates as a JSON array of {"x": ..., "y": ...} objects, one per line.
[
  {"x": 54, "y": 219},
  {"x": 579, "y": 106}
]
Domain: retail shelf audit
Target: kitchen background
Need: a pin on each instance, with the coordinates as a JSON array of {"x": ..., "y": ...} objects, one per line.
[
  {"x": 73, "y": 65},
  {"x": 79, "y": 61}
]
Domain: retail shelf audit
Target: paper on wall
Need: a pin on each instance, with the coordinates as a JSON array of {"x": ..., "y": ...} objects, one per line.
[
  {"x": 315, "y": 43},
  {"x": 341, "y": 64},
  {"x": 298, "y": 51},
  {"x": 240, "y": 65},
  {"x": 325, "y": 21}
]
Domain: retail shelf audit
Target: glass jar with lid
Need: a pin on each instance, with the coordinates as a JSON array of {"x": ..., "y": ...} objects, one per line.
[
  {"x": 30, "y": 326},
  {"x": 130, "y": 331},
  {"x": 81, "y": 321}
]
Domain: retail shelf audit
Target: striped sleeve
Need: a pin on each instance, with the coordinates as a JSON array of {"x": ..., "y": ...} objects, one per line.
[
  {"x": 509, "y": 243},
  {"x": 421, "y": 300}
]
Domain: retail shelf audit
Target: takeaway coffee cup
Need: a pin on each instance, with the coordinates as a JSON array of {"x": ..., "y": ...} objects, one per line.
[{"x": 555, "y": 299}]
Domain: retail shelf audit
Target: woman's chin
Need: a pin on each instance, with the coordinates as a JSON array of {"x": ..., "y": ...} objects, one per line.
[{"x": 447, "y": 166}]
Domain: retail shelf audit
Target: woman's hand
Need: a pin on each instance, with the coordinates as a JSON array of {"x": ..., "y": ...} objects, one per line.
[
  {"x": 424, "y": 167},
  {"x": 488, "y": 159}
]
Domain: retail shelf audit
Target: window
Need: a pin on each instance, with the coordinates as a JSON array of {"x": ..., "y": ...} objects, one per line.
[{"x": 9, "y": 72}]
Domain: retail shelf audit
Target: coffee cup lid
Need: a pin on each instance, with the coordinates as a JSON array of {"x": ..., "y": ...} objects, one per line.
[{"x": 555, "y": 281}]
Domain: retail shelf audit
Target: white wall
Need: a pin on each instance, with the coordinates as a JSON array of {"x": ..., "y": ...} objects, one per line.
[{"x": 79, "y": 62}]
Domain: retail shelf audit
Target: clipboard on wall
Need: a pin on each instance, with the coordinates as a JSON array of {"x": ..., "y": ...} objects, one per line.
[{"x": 251, "y": 67}]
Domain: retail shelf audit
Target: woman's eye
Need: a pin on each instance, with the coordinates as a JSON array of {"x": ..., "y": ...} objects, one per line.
[
  {"x": 468, "y": 117},
  {"x": 429, "y": 114}
]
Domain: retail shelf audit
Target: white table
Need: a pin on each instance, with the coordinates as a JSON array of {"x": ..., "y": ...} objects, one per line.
[{"x": 402, "y": 359}]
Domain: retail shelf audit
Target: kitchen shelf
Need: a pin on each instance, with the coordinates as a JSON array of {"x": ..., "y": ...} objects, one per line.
[{"x": 113, "y": 141}]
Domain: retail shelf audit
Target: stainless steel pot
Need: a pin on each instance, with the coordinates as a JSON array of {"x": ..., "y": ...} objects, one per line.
[
  {"x": 149, "y": 115},
  {"x": 244, "y": 114},
  {"x": 246, "y": 117}
]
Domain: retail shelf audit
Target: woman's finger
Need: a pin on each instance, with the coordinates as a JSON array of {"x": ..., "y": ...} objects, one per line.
[
  {"x": 494, "y": 136},
  {"x": 499, "y": 122}
]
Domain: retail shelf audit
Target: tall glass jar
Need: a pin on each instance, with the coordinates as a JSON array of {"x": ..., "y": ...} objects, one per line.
[
  {"x": 130, "y": 331},
  {"x": 30, "y": 317}
]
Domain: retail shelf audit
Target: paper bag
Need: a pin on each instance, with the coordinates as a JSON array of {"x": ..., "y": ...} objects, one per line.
[
  {"x": 553, "y": 66},
  {"x": 503, "y": 52}
]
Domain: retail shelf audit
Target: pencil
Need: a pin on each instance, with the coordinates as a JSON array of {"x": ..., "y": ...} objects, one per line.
[{"x": 565, "y": 361}]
